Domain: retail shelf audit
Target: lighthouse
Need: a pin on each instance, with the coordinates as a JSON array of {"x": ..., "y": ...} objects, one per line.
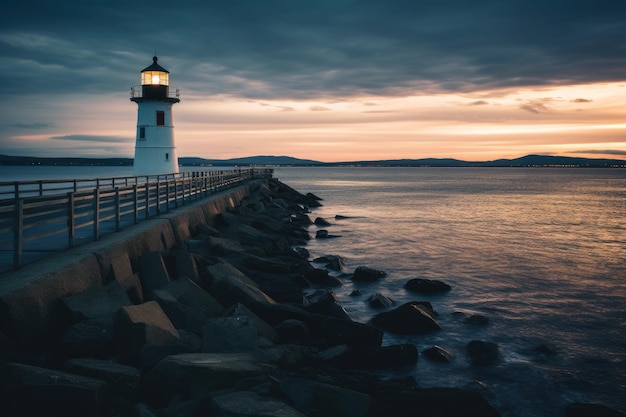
[{"x": 155, "y": 151}]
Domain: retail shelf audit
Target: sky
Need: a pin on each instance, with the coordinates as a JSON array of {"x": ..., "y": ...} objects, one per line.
[{"x": 328, "y": 80}]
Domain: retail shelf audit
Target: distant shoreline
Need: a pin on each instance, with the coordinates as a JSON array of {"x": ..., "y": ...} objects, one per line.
[{"x": 286, "y": 161}]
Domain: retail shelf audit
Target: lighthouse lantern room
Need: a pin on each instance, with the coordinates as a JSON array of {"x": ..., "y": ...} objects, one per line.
[{"x": 155, "y": 150}]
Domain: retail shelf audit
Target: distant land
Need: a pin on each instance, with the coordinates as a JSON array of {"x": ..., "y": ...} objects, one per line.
[{"x": 525, "y": 161}]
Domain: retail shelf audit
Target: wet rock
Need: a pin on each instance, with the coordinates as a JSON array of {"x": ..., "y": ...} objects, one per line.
[
  {"x": 427, "y": 286},
  {"x": 323, "y": 234},
  {"x": 440, "y": 402},
  {"x": 318, "y": 399},
  {"x": 482, "y": 353},
  {"x": 344, "y": 357},
  {"x": 230, "y": 286},
  {"x": 325, "y": 302},
  {"x": 88, "y": 338},
  {"x": 409, "y": 318},
  {"x": 231, "y": 334},
  {"x": 292, "y": 331},
  {"x": 122, "y": 381},
  {"x": 438, "y": 354},
  {"x": 33, "y": 391},
  {"x": 196, "y": 374},
  {"x": 356, "y": 293},
  {"x": 366, "y": 274},
  {"x": 250, "y": 404},
  {"x": 332, "y": 262},
  {"x": 379, "y": 301},
  {"x": 476, "y": 320},
  {"x": 319, "y": 221},
  {"x": 591, "y": 410}
]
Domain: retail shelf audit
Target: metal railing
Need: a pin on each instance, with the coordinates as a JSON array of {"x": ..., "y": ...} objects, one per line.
[
  {"x": 41, "y": 217},
  {"x": 136, "y": 91}
]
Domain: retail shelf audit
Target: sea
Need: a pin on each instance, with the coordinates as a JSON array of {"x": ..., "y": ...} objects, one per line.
[{"x": 540, "y": 252}]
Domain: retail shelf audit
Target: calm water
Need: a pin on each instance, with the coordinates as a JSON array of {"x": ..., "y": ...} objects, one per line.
[{"x": 541, "y": 252}]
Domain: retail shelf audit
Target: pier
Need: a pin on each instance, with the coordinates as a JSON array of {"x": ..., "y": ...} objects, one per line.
[{"x": 39, "y": 218}]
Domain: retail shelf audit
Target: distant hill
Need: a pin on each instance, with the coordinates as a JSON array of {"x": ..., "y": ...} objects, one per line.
[
  {"x": 265, "y": 160},
  {"x": 250, "y": 160}
]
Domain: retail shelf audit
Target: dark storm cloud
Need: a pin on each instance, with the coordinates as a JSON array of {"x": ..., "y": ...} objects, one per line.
[{"x": 324, "y": 48}]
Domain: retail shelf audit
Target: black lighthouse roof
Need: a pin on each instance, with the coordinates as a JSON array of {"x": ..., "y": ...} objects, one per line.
[{"x": 155, "y": 66}]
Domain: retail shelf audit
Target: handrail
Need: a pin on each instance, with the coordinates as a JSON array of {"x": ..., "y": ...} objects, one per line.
[{"x": 39, "y": 217}]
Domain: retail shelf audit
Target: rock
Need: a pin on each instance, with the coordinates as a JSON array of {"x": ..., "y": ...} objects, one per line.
[
  {"x": 154, "y": 273},
  {"x": 438, "y": 354},
  {"x": 250, "y": 404},
  {"x": 427, "y": 286},
  {"x": 88, "y": 338},
  {"x": 142, "y": 325},
  {"x": 319, "y": 221},
  {"x": 32, "y": 391},
  {"x": 482, "y": 353},
  {"x": 122, "y": 381},
  {"x": 379, "y": 301},
  {"x": 366, "y": 274},
  {"x": 196, "y": 374},
  {"x": 409, "y": 318},
  {"x": 476, "y": 320},
  {"x": 262, "y": 327},
  {"x": 97, "y": 302},
  {"x": 325, "y": 302},
  {"x": 344, "y": 357},
  {"x": 356, "y": 293},
  {"x": 440, "y": 402},
  {"x": 187, "y": 304},
  {"x": 230, "y": 334},
  {"x": 319, "y": 399},
  {"x": 292, "y": 331},
  {"x": 591, "y": 410},
  {"x": 332, "y": 262},
  {"x": 230, "y": 286}
]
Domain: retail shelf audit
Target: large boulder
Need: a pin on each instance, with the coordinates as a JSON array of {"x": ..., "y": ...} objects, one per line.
[
  {"x": 431, "y": 402},
  {"x": 88, "y": 338},
  {"x": 230, "y": 286},
  {"x": 427, "y": 286},
  {"x": 320, "y": 399},
  {"x": 140, "y": 326},
  {"x": 250, "y": 404},
  {"x": 154, "y": 274},
  {"x": 33, "y": 391},
  {"x": 438, "y": 354},
  {"x": 193, "y": 375},
  {"x": 366, "y": 274},
  {"x": 409, "y": 318},
  {"x": 345, "y": 357},
  {"x": 122, "y": 381},
  {"x": 231, "y": 334},
  {"x": 379, "y": 300},
  {"x": 97, "y": 302}
]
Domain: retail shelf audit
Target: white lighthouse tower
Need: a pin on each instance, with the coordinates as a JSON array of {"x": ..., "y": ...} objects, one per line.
[{"x": 155, "y": 151}]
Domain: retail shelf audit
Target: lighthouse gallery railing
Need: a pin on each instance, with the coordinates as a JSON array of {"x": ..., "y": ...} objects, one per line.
[{"x": 41, "y": 217}]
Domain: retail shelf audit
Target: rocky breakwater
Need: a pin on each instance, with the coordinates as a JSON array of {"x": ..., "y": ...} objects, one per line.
[{"x": 235, "y": 321}]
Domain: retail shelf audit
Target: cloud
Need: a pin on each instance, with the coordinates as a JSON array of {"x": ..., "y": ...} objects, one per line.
[
  {"x": 581, "y": 100},
  {"x": 279, "y": 48},
  {"x": 92, "y": 138},
  {"x": 318, "y": 108},
  {"x": 34, "y": 125},
  {"x": 537, "y": 106},
  {"x": 603, "y": 152}
]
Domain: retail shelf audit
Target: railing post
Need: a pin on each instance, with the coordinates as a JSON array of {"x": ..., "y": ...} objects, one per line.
[
  {"x": 96, "y": 214},
  {"x": 71, "y": 228},
  {"x": 118, "y": 210},
  {"x": 147, "y": 198},
  {"x": 167, "y": 195},
  {"x": 158, "y": 195},
  {"x": 18, "y": 233},
  {"x": 136, "y": 204}
]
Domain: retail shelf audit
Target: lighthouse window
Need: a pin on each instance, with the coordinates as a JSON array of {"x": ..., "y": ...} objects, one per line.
[
  {"x": 142, "y": 133},
  {"x": 167, "y": 156},
  {"x": 160, "y": 117}
]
